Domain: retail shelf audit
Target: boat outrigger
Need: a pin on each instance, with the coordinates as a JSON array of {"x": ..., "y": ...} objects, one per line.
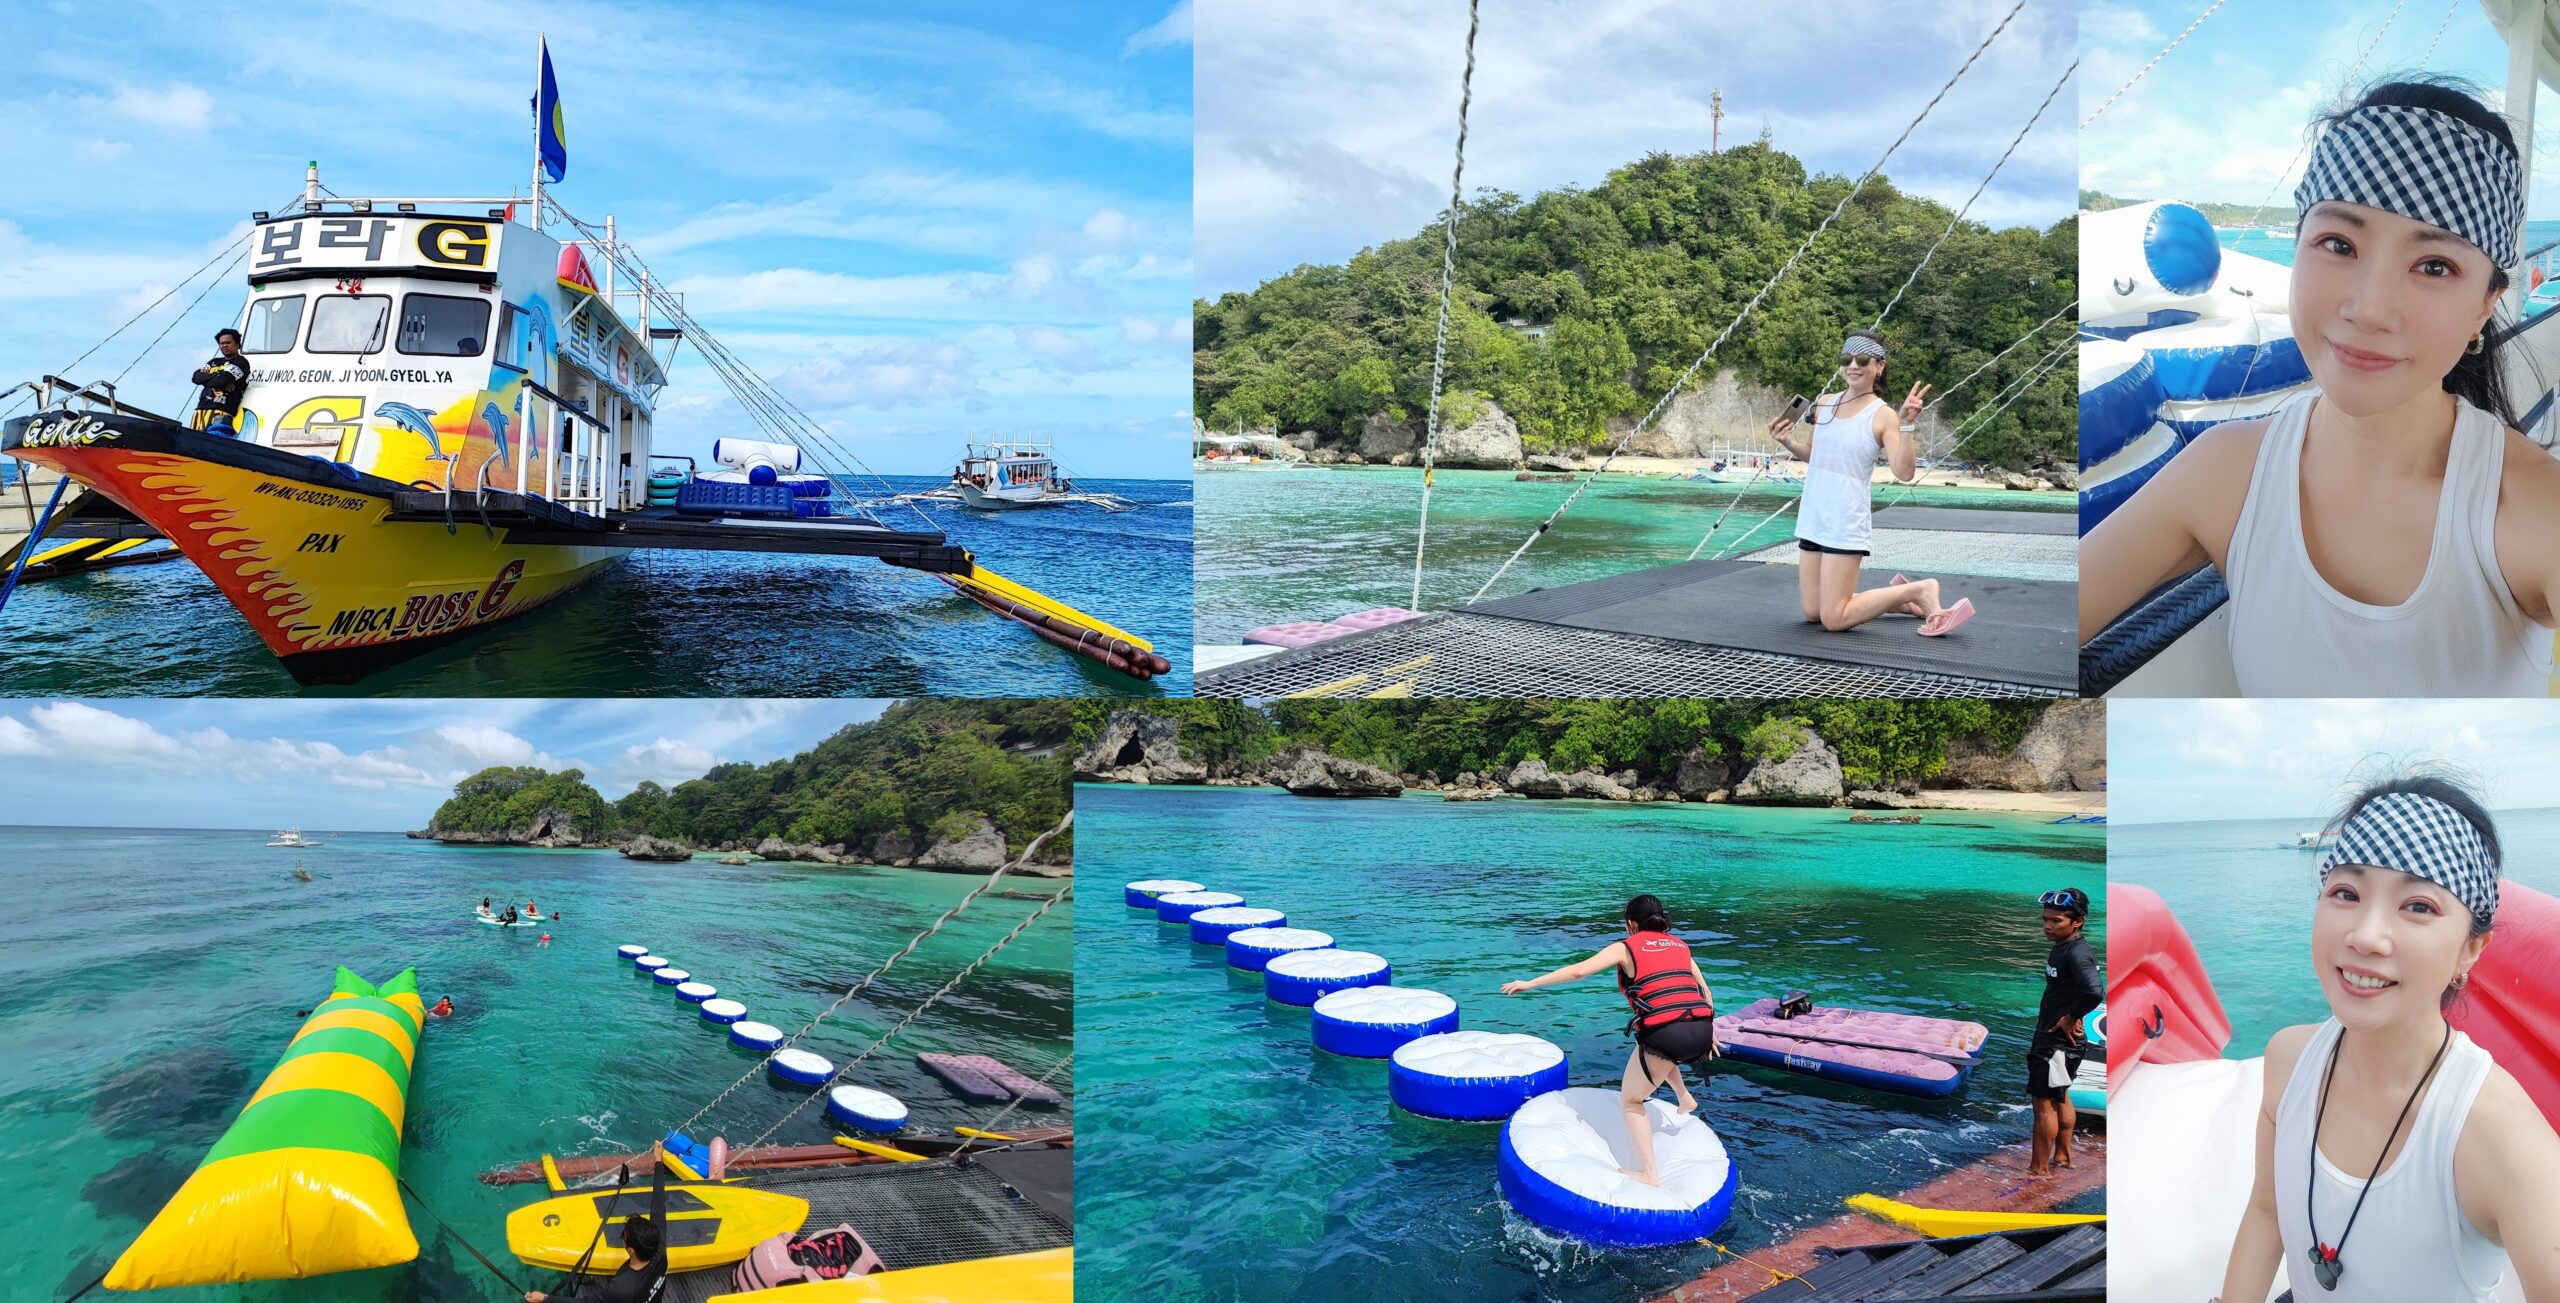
[{"x": 448, "y": 424}]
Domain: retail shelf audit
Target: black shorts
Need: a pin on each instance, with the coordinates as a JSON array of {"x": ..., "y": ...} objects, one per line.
[
  {"x": 2039, "y": 1056},
  {"x": 1688, "y": 1041},
  {"x": 1808, "y": 545}
]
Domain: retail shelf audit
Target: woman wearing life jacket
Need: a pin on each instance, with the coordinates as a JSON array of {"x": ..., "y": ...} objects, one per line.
[{"x": 1674, "y": 1019}]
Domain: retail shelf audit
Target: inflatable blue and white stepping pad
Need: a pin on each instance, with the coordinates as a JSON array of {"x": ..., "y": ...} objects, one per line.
[
  {"x": 755, "y": 1035},
  {"x": 1371, "y": 1022},
  {"x": 1254, "y": 948},
  {"x": 1179, "y": 906},
  {"x": 722, "y": 1011},
  {"x": 1306, "y": 976},
  {"x": 1473, "y": 1076},
  {"x": 695, "y": 992},
  {"x": 1142, "y": 895},
  {"x": 1212, "y": 927},
  {"x": 801, "y": 1067},
  {"x": 1561, "y": 1168},
  {"x": 648, "y": 963},
  {"x": 865, "y": 1109},
  {"x": 631, "y": 952},
  {"x": 670, "y": 976}
]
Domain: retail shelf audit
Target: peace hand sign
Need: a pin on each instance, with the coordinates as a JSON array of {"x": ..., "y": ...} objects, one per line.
[{"x": 1911, "y": 403}]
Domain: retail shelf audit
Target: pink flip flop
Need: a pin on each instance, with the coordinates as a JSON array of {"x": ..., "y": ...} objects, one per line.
[{"x": 1953, "y": 616}]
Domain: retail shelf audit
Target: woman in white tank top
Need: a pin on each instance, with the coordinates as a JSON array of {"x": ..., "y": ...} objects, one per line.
[
  {"x": 2394, "y": 535},
  {"x": 2395, "y": 1161},
  {"x": 1833, "y": 518}
]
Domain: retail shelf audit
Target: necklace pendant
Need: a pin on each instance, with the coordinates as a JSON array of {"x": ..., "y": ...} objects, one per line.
[{"x": 2325, "y": 1266}]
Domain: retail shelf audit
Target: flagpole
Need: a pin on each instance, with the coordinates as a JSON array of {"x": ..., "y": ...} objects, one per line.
[{"x": 541, "y": 47}]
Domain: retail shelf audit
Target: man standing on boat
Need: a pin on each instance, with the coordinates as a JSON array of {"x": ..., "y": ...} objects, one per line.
[
  {"x": 221, "y": 384},
  {"x": 2072, "y": 987}
]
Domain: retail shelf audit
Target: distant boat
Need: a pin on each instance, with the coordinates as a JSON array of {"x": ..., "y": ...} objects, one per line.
[
  {"x": 292, "y": 839},
  {"x": 1009, "y": 474},
  {"x": 2315, "y": 841}
]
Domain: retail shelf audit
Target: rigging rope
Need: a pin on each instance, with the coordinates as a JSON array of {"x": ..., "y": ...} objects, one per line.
[
  {"x": 192, "y": 304},
  {"x": 170, "y": 293},
  {"x": 1683, "y": 379},
  {"x": 901, "y": 1025},
  {"x": 2348, "y": 81},
  {"x": 885, "y": 965},
  {"x": 2146, "y": 68},
  {"x": 1448, "y": 275}
]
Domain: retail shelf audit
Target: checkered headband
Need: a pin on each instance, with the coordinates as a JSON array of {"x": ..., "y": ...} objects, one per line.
[
  {"x": 2426, "y": 166},
  {"x": 2424, "y": 838},
  {"x": 1861, "y": 346}
]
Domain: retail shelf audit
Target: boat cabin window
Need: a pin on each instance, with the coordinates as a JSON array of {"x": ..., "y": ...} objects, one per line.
[
  {"x": 273, "y": 325},
  {"x": 511, "y": 346},
  {"x": 349, "y": 323},
  {"x": 443, "y": 325}
]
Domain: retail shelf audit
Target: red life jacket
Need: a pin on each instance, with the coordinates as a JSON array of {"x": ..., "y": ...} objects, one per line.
[{"x": 1664, "y": 990}]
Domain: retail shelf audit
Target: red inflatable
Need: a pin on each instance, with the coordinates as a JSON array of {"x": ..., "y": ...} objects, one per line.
[
  {"x": 2513, "y": 1007},
  {"x": 2160, "y": 1005}
]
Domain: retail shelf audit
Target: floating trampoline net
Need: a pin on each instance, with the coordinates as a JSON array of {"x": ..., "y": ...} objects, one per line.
[
  {"x": 911, "y": 1214},
  {"x": 2053, "y": 557},
  {"x": 1460, "y": 654}
]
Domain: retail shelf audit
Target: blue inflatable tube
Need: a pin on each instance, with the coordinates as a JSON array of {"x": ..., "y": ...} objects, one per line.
[
  {"x": 1560, "y": 1167},
  {"x": 1255, "y": 947},
  {"x": 755, "y": 1035},
  {"x": 631, "y": 952},
  {"x": 2099, "y": 498},
  {"x": 1473, "y": 1076},
  {"x": 801, "y": 1067},
  {"x": 1373, "y": 1022},
  {"x": 1893, "y": 1083},
  {"x": 1142, "y": 895},
  {"x": 2122, "y": 406},
  {"x": 669, "y": 976},
  {"x": 2231, "y": 371},
  {"x": 865, "y": 1109},
  {"x": 1179, "y": 906},
  {"x": 1310, "y": 975},
  {"x": 1212, "y": 927}
]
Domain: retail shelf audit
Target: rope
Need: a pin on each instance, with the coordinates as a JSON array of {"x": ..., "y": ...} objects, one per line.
[
  {"x": 885, "y": 965},
  {"x": 1682, "y": 381},
  {"x": 192, "y": 305},
  {"x": 913, "y": 1014},
  {"x": 1776, "y": 1277},
  {"x": 1017, "y": 1101},
  {"x": 2137, "y": 76},
  {"x": 2349, "y": 80},
  {"x": 1448, "y": 274},
  {"x": 457, "y": 1237},
  {"x": 2430, "y": 55},
  {"x": 155, "y": 303}
]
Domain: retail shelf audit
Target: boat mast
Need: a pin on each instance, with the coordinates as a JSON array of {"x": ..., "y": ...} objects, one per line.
[
  {"x": 2524, "y": 31},
  {"x": 540, "y": 44}
]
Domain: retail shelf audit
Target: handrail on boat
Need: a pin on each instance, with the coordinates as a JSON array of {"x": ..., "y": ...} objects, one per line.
[{"x": 93, "y": 394}]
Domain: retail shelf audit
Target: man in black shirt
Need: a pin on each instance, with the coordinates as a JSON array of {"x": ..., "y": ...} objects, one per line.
[
  {"x": 640, "y": 1278},
  {"x": 222, "y": 382},
  {"x": 2072, "y": 987}
]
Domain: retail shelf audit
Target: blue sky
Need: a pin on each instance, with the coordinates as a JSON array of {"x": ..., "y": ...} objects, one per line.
[
  {"x": 925, "y": 223},
  {"x": 2222, "y": 117},
  {"x": 1327, "y": 125},
  {"x": 2183, "y": 761},
  {"x": 362, "y": 765}
]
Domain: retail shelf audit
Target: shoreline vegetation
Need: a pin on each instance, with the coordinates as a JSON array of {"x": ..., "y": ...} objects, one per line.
[
  {"x": 2036, "y": 487},
  {"x": 1574, "y": 310},
  {"x": 2019, "y": 757},
  {"x": 952, "y": 785}
]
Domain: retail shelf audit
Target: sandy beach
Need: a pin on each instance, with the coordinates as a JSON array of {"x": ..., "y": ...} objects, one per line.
[
  {"x": 2055, "y": 803},
  {"x": 1933, "y": 479}
]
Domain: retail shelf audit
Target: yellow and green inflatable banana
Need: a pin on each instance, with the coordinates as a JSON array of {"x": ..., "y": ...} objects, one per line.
[{"x": 306, "y": 1181}]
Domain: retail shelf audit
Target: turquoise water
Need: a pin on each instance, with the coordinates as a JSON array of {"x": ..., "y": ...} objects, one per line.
[
  {"x": 2245, "y": 895},
  {"x": 1221, "y": 1157},
  {"x": 1316, "y": 543},
  {"x": 678, "y": 624},
  {"x": 136, "y": 1035}
]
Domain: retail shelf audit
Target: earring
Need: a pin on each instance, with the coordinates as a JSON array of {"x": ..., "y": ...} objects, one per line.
[
  {"x": 2478, "y": 342},
  {"x": 2462, "y": 979}
]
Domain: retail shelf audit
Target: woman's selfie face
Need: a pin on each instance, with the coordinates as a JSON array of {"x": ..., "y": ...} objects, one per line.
[
  {"x": 2386, "y": 944},
  {"x": 2383, "y": 305}
]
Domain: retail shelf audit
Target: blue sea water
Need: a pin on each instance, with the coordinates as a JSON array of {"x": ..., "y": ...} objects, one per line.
[
  {"x": 1220, "y": 1156},
  {"x": 139, "y": 1017},
  {"x": 679, "y": 624}
]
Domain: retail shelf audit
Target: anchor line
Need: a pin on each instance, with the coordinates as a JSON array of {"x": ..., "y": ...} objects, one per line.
[
  {"x": 1681, "y": 382},
  {"x": 885, "y": 965},
  {"x": 2146, "y": 68},
  {"x": 1448, "y": 275}
]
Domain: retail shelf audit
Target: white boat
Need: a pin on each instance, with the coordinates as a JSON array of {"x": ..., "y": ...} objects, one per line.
[
  {"x": 1737, "y": 466},
  {"x": 2320, "y": 840},
  {"x": 292, "y": 839}
]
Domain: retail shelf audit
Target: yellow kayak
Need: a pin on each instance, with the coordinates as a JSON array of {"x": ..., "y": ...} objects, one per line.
[
  {"x": 1940, "y": 1223},
  {"x": 1048, "y": 1276},
  {"x": 708, "y": 1225}
]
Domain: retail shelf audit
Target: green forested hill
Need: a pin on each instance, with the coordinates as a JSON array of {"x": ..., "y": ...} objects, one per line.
[{"x": 1636, "y": 276}]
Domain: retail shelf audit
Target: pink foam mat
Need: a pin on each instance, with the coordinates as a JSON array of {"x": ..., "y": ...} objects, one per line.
[
  {"x": 979, "y": 1076},
  {"x": 1941, "y": 1038},
  {"x": 1296, "y": 633},
  {"x": 1898, "y": 1062}
]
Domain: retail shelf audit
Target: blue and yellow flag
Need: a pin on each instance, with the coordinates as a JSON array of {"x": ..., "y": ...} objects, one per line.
[{"x": 551, "y": 137}]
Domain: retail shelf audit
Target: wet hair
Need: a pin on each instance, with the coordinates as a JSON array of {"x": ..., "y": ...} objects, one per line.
[
  {"x": 2437, "y": 781},
  {"x": 226, "y": 330},
  {"x": 2475, "y": 376},
  {"x": 1647, "y": 914},
  {"x": 640, "y": 1236},
  {"x": 1883, "y": 365}
]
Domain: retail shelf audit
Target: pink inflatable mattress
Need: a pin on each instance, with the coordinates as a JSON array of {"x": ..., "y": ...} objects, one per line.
[
  {"x": 980, "y": 1077},
  {"x": 1938, "y": 1038},
  {"x": 1307, "y": 633}
]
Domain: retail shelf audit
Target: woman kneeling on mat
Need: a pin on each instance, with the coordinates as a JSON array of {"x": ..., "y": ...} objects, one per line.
[
  {"x": 1834, "y": 519},
  {"x": 2392, "y": 534},
  {"x": 1674, "y": 1022},
  {"x": 2406, "y": 901}
]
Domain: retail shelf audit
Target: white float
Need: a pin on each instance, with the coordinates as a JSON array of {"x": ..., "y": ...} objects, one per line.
[
  {"x": 1306, "y": 976},
  {"x": 866, "y": 1109},
  {"x": 1255, "y": 947},
  {"x": 1179, "y": 906},
  {"x": 1473, "y": 1076},
  {"x": 1371, "y": 1022},
  {"x": 1142, "y": 895},
  {"x": 1564, "y": 1163},
  {"x": 755, "y": 1035},
  {"x": 1212, "y": 927},
  {"x": 800, "y": 1067},
  {"x": 723, "y": 1011},
  {"x": 695, "y": 992}
]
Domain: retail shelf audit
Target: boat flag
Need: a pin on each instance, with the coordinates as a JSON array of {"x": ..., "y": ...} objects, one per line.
[{"x": 550, "y": 136}]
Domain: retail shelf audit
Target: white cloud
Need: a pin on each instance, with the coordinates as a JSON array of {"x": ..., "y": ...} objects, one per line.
[
  {"x": 883, "y": 374},
  {"x": 1171, "y": 30},
  {"x": 665, "y": 761},
  {"x": 177, "y": 105}
]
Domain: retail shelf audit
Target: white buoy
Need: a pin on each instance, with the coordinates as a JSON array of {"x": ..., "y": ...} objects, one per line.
[
  {"x": 1212, "y": 927},
  {"x": 1142, "y": 895},
  {"x": 1255, "y": 947},
  {"x": 755, "y": 1035},
  {"x": 631, "y": 952},
  {"x": 695, "y": 992},
  {"x": 801, "y": 1068},
  {"x": 1371, "y": 1022},
  {"x": 866, "y": 1109},
  {"x": 648, "y": 963},
  {"x": 670, "y": 976},
  {"x": 1179, "y": 906},
  {"x": 723, "y": 1011},
  {"x": 1473, "y": 1076},
  {"x": 1564, "y": 1163},
  {"x": 1305, "y": 976}
]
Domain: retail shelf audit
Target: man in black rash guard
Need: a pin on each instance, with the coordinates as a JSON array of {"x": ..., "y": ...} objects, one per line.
[
  {"x": 640, "y": 1278},
  {"x": 2072, "y": 987},
  {"x": 221, "y": 384}
]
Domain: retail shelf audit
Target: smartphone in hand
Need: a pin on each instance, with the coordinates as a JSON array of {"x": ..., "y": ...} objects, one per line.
[{"x": 1796, "y": 408}]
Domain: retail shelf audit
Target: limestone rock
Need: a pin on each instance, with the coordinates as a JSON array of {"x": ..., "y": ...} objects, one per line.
[
  {"x": 892, "y": 847},
  {"x": 2067, "y": 747},
  {"x": 1382, "y": 437},
  {"x": 1136, "y": 747},
  {"x": 1532, "y": 778},
  {"x": 1468, "y": 794},
  {"x": 1548, "y": 461},
  {"x": 1491, "y": 441},
  {"x": 1698, "y": 775},
  {"x": 1809, "y": 775},
  {"x": 1305, "y": 771},
  {"x": 645, "y": 847},
  {"x": 981, "y": 848},
  {"x": 1868, "y": 798}
]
